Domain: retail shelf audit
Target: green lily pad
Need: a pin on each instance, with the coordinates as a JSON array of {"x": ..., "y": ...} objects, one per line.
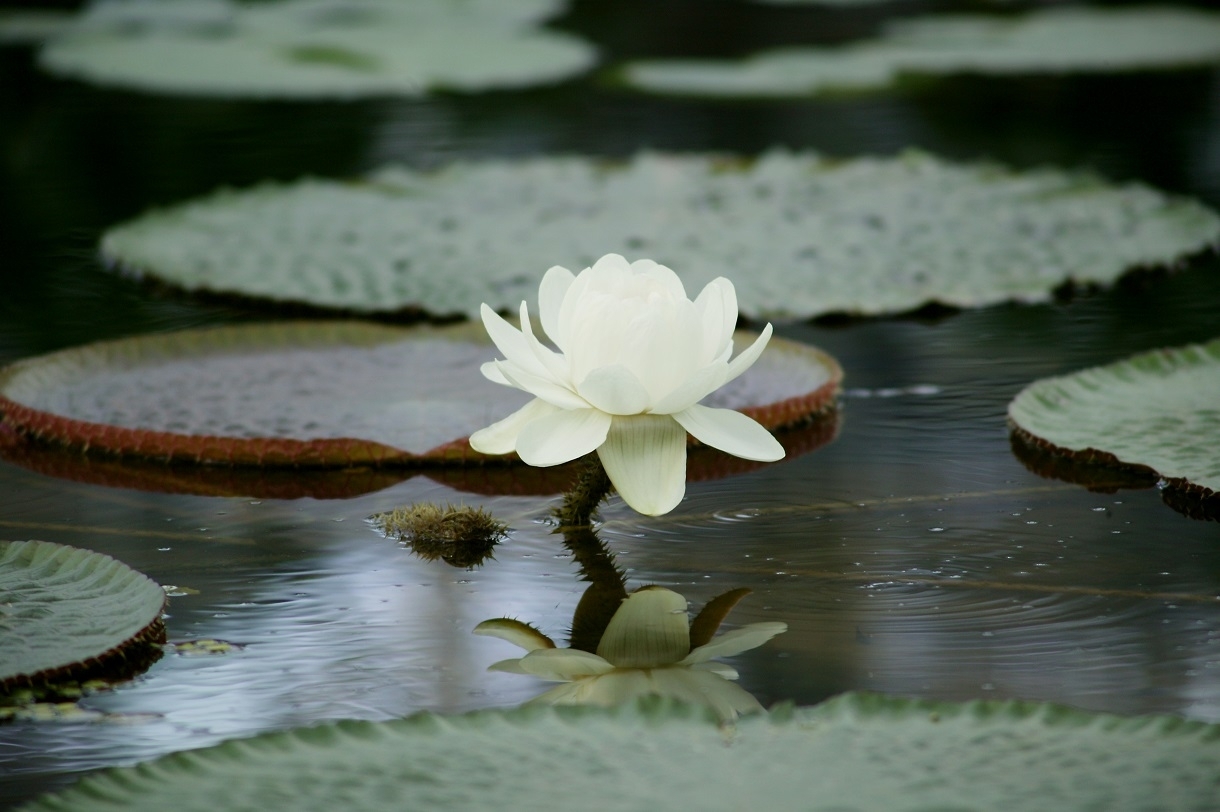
[
  {"x": 799, "y": 235},
  {"x": 858, "y": 752},
  {"x": 321, "y": 394},
  {"x": 315, "y": 48},
  {"x": 71, "y": 614},
  {"x": 1055, "y": 40},
  {"x": 21, "y": 26},
  {"x": 1157, "y": 413}
]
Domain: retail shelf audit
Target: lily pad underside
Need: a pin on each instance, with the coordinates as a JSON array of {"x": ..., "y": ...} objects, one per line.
[
  {"x": 855, "y": 752},
  {"x": 1154, "y": 415},
  {"x": 315, "y": 48},
  {"x": 322, "y": 394},
  {"x": 1054, "y": 40},
  {"x": 73, "y": 614},
  {"x": 799, "y": 235}
]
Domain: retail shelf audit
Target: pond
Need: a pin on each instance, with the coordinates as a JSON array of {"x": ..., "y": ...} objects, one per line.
[{"x": 912, "y": 554}]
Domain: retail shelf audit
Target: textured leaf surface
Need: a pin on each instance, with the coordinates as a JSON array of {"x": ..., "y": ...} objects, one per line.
[
  {"x": 1160, "y": 410},
  {"x": 315, "y": 48},
  {"x": 63, "y": 608},
  {"x": 799, "y": 235},
  {"x": 1047, "y": 41},
  {"x": 856, "y": 752},
  {"x": 320, "y": 393}
]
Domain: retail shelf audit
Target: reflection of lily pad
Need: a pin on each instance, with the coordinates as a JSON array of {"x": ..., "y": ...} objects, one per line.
[
  {"x": 1059, "y": 40},
  {"x": 322, "y": 394},
  {"x": 798, "y": 234},
  {"x": 67, "y": 613},
  {"x": 315, "y": 48},
  {"x": 854, "y": 752},
  {"x": 1157, "y": 413}
]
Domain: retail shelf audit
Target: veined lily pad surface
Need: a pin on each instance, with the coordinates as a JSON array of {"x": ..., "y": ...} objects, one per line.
[
  {"x": 320, "y": 394},
  {"x": 800, "y": 235},
  {"x": 67, "y": 612},
  {"x": 315, "y": 48},
  {"x": 1056, "y": 40},
  {"x": 1158, "y": 410},
  {"x": 855, "y": 752}
]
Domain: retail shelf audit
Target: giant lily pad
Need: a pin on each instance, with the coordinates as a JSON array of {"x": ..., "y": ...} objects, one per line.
[
  {"x": 854, "y": 752},
  {"x": 321, "y": 394},
  {"x": 1057, "y": 40},
  {"x": 67, "y": 613},
  {"x": 314, "y": 48},
  {"x": 799, "y": 235},
  {"x": 1157, "y": 413}
]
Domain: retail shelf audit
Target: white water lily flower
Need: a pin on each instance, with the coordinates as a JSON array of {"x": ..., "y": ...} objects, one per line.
[
  {"x": 635, "y": 358},
  {"x": 645, "y": 650}
]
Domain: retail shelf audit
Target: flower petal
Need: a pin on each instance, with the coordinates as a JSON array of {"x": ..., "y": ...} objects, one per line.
[
  {"x": 554, "y": 363},
  {"x": 561, "y": 436},
  {"x": 511, "y": 342},
  {"x": 736, "y": 641},
  {"x": 692, "y": 390},
  {"x": 501, "y": 437},
  {"x": 649, "y": 630},
  {"x": 515, "y": 632},
  {"x": 606, "y": 690},
  {"x": 615, "y": 390},
  {"x": 512, "y": 666},
  {"x": 563, "y": 664},
  {"x": 722, "y": 670},
  {"x": 551, "y": 293},
  {"x": 748, "y": 356},
  {"x": 542, "y": 386},
  {"x": 663, "y": 276},
  {"x": 703, "y": 687},
  {"x": 731, "y": 432},
  {"x": 491, "y": 371},
  {"x": 717, "y": 304},
  {"x": 645, "y": 458}
]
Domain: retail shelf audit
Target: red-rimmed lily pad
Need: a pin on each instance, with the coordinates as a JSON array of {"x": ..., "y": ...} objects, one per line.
[
  {"x": 1154, "y": 416},
  {"x": 320, "y": 394},
  {"x": 73, "y": 614}
]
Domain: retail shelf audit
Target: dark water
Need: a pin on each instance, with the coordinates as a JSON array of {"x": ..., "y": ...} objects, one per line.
[{"x": 914, "y": 555}]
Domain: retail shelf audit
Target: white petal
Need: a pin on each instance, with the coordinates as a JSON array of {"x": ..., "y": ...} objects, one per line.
[
  {"x": 736, "y": 641},
  {"x": 649, "y": 630},
  {"x": 663, "y": 276},
  {"x": 614, "y": 390},
  {"x": 705, "y": 688},
  {"x": 731, "y": 432},
  {"x": 501, "y": 437},
  {"x": 692, "y": 390},
  {"x": 515, "y": 632},
  {"x": 512, "y": 666},
  {"x": 511, "y": 343},
  {"x": 554, "y": 287},
  {"x": 561, "y": 436},
  {"x": 717, "y": 304},
  {"x": 749, "y": 355},
  {"x": 645, "y": 458},
  {"x": 555, "y": 365},
  {"x": 605, "y": 690},
  {"x": 542, "y": 386},
  {"x": 491, "y": 371},
  {"x": 722, "y": 670},
  {"x": 563, "y": 664}
]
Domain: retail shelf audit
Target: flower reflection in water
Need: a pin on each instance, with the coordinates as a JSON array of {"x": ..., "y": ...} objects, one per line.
[{"x": 647, "y": 648}]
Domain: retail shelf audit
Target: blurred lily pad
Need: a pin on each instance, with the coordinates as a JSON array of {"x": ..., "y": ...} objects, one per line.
[
  {"x": 320, "y": 394},
  {"x": 313, "y": 48},
  {"x": 73, "y": 614},
  {"x": 1054, "y": 40},
  {"x": 799, "y": 235},
  {"x": 857, "y": 751},
  {"x": 20, "y": 26},
  {"x": 1154, "y": 415}
]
